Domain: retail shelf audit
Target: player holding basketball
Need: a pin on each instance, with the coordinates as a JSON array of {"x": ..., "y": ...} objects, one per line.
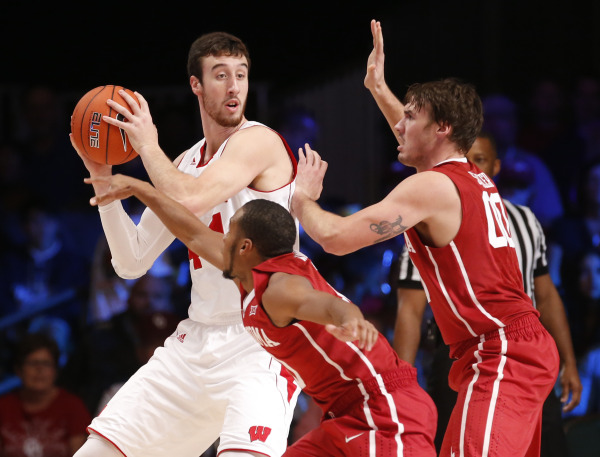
[
  {"x": 371, "y": 401},
  {"x": 211, "y": 380},
  {"x": 455, "y": 227}
]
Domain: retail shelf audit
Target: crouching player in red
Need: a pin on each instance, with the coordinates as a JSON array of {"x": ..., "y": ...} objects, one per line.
[{"x": 371, "y": 401}]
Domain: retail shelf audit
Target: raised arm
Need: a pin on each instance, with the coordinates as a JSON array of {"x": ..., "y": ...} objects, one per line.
[
  {"x": 289, "y": 297},
  {"x": 181, "y": 222},
  {"x": 391, "y": 107}
]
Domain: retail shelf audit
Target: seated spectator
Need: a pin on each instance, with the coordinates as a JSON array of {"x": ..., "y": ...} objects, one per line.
[
  {"x": 107, "y": 353},
  {"x": 40, "y": 418}
]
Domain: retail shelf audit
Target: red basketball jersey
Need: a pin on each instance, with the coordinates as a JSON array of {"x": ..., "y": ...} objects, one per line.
[
  {"x": 324, "y": 367},
  {"x": 473, "y": 284}
]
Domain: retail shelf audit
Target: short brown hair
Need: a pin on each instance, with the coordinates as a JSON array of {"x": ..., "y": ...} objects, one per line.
[
  {"x": 454, "y": 103},
  {"x": 214, "y": 44}
]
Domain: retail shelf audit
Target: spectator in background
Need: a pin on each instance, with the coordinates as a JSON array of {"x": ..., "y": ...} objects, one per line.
[
  {"x": 501, "y": 121},
  {"x": 108, "y": 350},
  {"x": 577, "y": 232},
  {"x": 586, "y": 112},
  {"x": 43, "y": 140},
  {"x": 45, "y": 268},
  {"x": 546, "y": 120},
  {"x": 13, "y": 194},
  {"x": 583, "y": 302},
  {"x": 108, "y": 292},
  {"x": 40, "y": 419},
  {"x": 547, "y": 132},
  {"x": 151, "y": 331}
]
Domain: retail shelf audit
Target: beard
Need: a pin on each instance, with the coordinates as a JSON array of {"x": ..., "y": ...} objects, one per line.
[{"x": 215, "y": 111}]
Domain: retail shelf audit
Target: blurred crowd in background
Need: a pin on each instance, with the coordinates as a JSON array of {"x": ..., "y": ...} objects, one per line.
[{"x": 56, "y": 277}]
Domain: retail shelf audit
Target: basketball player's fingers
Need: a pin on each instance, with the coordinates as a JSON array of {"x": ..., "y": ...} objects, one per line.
[
  {"x": 97, "y": 179},
  {"x": 101, "y": 199},
  {"x": 119, "y": 109},
  {"x": 335, "y": 331},
  {"x": 133, "y": 104},
  {"x": 301, "y": 157},
  {"x": 373, "y": 335},
  {"x": 324, "y": 166},
  {"x": 142, "y": 102},
  {"x": 365, "y": 337},
  {"x": 378, "y": 37},
  {"x": 574, "y": 393},
  {"x": 309, "y": 153},
  {"x": 315, "y": 154}
]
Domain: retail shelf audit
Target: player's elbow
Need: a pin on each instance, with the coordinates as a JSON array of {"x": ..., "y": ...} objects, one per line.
[
  {"x": 128, "y": 272},
  {"x": 335, "y": 244}
]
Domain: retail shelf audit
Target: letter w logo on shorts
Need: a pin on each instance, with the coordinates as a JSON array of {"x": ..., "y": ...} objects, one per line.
[{"x": 258, "y": 432}]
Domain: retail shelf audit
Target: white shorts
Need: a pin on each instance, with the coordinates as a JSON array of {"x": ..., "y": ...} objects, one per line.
[{"x": 207, "y": 382}]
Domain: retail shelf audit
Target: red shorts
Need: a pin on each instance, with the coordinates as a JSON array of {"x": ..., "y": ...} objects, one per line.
[
  {"x": 401, "y": 422},
  {"x": 502, "y": 383}
]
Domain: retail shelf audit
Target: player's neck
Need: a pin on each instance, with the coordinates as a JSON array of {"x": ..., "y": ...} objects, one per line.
[
  {"x": 432, "y": 161},
  {"x": 215, "y": 134}
]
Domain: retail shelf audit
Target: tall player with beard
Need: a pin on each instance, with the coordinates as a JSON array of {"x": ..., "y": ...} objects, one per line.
[{"x": 211, "y": 379}]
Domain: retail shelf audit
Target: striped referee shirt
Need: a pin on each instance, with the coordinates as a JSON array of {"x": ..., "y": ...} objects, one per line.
[{"x": 530, "y": 244}]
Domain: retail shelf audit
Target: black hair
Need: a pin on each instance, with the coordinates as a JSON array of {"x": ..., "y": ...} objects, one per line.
[
  {"x": 32, "y": 342},
  {"x": 270, "y": 227}
]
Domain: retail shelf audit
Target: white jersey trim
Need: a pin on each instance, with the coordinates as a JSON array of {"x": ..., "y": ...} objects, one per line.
[
  {"x": 446, "y": 295},
  {"x": 465, "y": 276}
]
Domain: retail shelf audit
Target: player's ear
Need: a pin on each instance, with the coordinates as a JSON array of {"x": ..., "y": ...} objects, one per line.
[
  {"x": 196, "y": 85},
  {"x": 497, "y": 166},
  {"x": 246, "y": 246},
  {"x": 444, "y": 129}
]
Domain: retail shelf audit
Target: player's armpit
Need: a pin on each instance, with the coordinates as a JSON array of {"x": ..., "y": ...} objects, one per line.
[{"x": 254, "y": 157}]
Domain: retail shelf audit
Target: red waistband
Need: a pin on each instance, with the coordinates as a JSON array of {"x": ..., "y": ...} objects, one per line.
[
  {"x": 392, "y": 380},
  {"x": 523, "y": 326}
]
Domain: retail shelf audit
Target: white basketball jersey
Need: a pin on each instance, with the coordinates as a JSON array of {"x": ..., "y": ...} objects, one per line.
[{"x": 214, "y": 299}]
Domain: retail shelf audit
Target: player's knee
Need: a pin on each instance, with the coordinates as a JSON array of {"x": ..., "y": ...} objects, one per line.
[{"x": 96, "y": 446}]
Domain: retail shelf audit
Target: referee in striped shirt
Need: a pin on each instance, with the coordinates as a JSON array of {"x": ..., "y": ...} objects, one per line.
[{"x": 531, "y": 252}]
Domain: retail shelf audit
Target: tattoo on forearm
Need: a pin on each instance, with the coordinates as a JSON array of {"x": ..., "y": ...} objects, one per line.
[{"x": 388, "y": 229}]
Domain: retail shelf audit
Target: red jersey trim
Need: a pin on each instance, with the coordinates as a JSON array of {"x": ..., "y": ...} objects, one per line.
[
  {"x": 290, "y": 155},
  {"x": 90, "y": 429},
  {"x": 233, "y": 449},
  {"x": 201, "y": 159}
]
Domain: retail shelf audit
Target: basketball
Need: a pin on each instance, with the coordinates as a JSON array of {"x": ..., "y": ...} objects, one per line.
[{"x": 95, "y": 138}]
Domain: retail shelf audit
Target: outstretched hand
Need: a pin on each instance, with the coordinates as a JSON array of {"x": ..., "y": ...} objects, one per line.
[
  {"x": 118, "y": 187},
  {"x": 138, "y": 124},
  {"x": 310, "y": 175},
  {"x": 360, "y": 330},
  {"x": 375, "y": 74}
]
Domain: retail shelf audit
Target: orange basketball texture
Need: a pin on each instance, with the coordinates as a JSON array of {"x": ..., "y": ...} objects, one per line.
[{"x": 95, "y": 138}]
